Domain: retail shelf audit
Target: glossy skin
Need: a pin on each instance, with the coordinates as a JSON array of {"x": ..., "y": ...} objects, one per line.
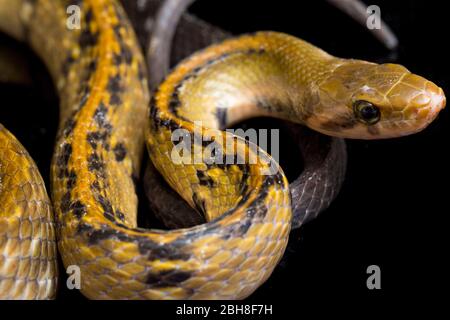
[
  {"x": 28, "y": 261},
  {"x": 324, "y": 157},
  {"x": 99, "y": 73}
]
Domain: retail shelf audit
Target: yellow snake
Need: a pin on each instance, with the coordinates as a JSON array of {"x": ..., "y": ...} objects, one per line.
[{"x": 100, "y": 76}]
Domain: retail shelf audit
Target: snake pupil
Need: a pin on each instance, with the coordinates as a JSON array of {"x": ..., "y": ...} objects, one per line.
[{"x": 366, "y": 112}]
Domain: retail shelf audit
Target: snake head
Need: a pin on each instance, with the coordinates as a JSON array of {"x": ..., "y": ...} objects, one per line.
[{"x": 363, "y": 100}]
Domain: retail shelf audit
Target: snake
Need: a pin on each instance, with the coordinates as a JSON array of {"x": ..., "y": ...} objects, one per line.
[
  {"x": 324, "y": 158},
  {"x": 107, "y": 114}
]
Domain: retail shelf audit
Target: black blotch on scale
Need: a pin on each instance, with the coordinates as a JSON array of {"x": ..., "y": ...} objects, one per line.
[
  {"x": 154, "y": 114},
  {"x": 65, "y": 154},
  {"x": 204, "y": 179},
  {"x": 104, "y": 233},
  {"x": 115, "y": 99},
  {"x": 168, "y": 251},
  {"x": 92, "y": 66},
  {"x": 120, "y": 215},
  {"x": 65, "y": 202},
  {"x": 155, "y": 118},
  {"x": 243, "y": 227},
  {"x": 88, "y": 16},
  {"x": 243, "y": 186},
  {"x": 114, "y": 88},
  {"x": 63, "y": 160},
  {"x": 71, "y": 180},
  {"x": 69, "y": 126},
  {"x": 95, "y": 163},
  {"x": 125, "y": 55},
  {"x": 107, "y": 207},
  {"x": 95, "y": 186},
  {"x": 67, "y": 63},
  {"x": 87, "y": 37},
  {"x": 167, "y": 278},
  {"x": 120, "y": 152},
  {"x": 85, "y": 92},
  {"x": 96, "y": 137},
  {"x": 100, "y": 115},
  {"x": 114, "y": 84},
  {"x": 78, "y": 209}
]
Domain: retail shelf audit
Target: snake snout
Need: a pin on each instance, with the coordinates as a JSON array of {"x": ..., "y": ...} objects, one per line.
[
  {"x": 415, "y": 103},
  {"x": 435, "y": 102},
  {"x": 438, "y": 100}
]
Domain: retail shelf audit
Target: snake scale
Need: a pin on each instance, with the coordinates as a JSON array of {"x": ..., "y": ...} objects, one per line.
[{"x": 100, "y": 75}]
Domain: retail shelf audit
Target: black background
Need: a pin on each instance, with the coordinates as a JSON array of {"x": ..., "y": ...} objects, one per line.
[{"x": 393, "y": 206}]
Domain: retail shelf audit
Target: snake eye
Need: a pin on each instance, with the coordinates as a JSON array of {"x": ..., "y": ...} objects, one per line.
[{"x": 366, "y": 112}]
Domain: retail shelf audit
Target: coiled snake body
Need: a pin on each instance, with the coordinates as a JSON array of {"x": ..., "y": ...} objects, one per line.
[{"x": 100, "y": 76}]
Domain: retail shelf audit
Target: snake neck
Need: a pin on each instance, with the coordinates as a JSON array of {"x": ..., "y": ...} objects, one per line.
[{"x": 265, "y": 74}]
